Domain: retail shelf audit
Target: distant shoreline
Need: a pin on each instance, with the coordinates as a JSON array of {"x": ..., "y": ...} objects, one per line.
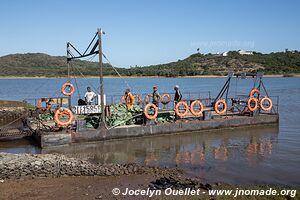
[{"x": 198, "y": 76}]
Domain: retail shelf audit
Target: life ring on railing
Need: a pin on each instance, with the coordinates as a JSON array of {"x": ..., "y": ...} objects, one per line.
[
  {"x": 177, "y": 108},
  {"x": 196, "y": 113},
  {"x": 252, "y": 100},
  {"x": 254, "y": 91},
  {"x": 262, "y": 104},
  {"x": 62, "y": 112},
  {"x": 63, "y": 89},
  {"x": 122, "y": 100},
  {"x": 148, "y": 116},
  {"x": 217, "y": 104},
  {"x": 163, "y": 100}
]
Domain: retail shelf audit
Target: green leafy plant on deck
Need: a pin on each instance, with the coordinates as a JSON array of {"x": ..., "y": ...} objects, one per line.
[{"x": 119, "y": 115}]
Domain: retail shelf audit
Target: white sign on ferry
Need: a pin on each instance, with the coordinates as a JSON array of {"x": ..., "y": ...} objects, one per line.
[{"x": 86, "y": 109}]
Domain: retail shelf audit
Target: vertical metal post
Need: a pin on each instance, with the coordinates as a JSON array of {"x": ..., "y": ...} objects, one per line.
[
  {"x": 223, "y": 90},
  {"x": 68, "y": 62},
  {"x": 277, "y": 104},
  {"x": 99, "y": 31}
]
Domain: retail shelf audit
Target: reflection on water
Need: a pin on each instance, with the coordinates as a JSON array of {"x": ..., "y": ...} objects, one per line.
[
  {"x": 180, "y": 149},
  {"x": 258, "y": 148},
  {"x": 219, "y": 155},
  {"x": 19, "y": 146}
]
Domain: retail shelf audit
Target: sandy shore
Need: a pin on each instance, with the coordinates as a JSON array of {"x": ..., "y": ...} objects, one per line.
[
  {"x": 75, "y": 188},
  {"x": 91, "y": 188}
]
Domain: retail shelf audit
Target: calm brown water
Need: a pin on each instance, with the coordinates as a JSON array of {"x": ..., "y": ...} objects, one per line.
[{"x": 242, "y": 156}]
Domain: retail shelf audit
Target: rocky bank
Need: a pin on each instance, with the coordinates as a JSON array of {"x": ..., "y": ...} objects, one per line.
[{"x": 18, "y": 166}]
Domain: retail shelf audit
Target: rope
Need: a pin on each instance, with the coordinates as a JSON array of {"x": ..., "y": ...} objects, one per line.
[
  {"x": 38, "y": 88},
  {"x": 85, "y": 78},
  {"x": 236, "y": 85},
  {"x": 77, "y": 88},
  {"x": 76, "y": 84},
  {"x": 116, "y": 70},
  {"x": 56, "y": 92}
]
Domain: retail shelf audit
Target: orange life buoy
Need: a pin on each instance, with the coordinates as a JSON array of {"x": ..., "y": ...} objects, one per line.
[
  {"x": 62, "y": 112},
  {"x": 63, "y": 89},
  {"x": 165, "y": 101},
  {"x": 150, "y": 117},
  {"x": 197, "y": 113},
  {"x": 254, "y": 91},
  {"x": 185, "y": 106},
  {"x": 217, "y": 104},
  {"x": 250, "y": 101},
  {"x": 262, "y": 104}
]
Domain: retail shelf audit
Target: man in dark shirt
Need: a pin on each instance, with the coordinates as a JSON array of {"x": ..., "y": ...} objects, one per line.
[
  {"x": 155, "y": 96},
  {"x": 178, "y": 95}
]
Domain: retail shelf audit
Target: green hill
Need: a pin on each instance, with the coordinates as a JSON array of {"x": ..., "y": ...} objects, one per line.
[
  {"x": 199, "y": 64},
  {"x": 38, "y": 64}
]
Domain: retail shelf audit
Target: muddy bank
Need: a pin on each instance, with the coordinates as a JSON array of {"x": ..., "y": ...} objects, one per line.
[
  {"x": 78, "y": 188},
  {"x": 51, "y": 176},
  {"x": 102, "y": 187}
]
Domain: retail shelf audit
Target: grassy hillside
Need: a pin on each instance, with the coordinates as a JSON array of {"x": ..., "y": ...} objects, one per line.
[
  {"x": 38, "y": 64},
  {"x": 199, "y": 64}
]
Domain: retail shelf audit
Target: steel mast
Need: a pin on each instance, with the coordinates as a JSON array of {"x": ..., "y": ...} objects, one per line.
[{"x": 100, "y": 32}]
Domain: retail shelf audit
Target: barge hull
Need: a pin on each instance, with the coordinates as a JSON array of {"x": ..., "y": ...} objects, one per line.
[{"x": 48, "y": 140}]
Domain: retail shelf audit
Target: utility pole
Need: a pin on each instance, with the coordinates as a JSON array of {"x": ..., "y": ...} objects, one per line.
[
  {"x": 68, "y": 63},
  {"x": 99, "y": 31}
]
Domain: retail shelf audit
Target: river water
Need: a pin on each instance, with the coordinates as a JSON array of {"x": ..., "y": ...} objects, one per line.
[{"x": 265, "y": 154}]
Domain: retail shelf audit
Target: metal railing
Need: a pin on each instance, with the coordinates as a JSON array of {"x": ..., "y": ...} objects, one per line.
[
  {"x": 244, "y": 98},
  {"x": 186, "y": 96},
  {"x": 189, "y": 97}
]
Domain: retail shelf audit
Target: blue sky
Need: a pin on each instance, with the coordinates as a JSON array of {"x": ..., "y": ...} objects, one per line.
[{"x": 141, "y": 32}]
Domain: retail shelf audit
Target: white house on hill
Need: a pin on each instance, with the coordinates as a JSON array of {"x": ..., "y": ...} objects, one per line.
[
  {"x": 243, "y": 52},
  {"x": 225, "y": 53}
]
